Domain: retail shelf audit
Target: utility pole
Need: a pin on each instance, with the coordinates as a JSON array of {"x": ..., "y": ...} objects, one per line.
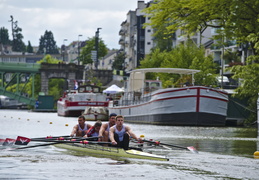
[
  {"x": 97, "y": 47},
  {"x": 64, "y": 49},
  {"x": 78, "y": 50}
]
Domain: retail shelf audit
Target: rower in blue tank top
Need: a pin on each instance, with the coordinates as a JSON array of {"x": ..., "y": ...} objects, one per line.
[{"x": 120, "y": 134}]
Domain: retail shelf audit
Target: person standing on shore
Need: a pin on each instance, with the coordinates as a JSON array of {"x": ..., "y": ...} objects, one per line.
[
  {"x": 80, "y": 129},
  {"x": 120, "y": 134}
]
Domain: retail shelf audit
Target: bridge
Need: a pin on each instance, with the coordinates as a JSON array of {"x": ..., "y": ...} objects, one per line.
[{"x": 23, "y": 74}]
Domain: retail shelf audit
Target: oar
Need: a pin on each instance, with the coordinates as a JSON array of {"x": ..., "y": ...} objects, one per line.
[
  {"x": 52, "y": 137},
  {"x": 2, "y": 141},
  {"x": 60, "y": 139},
  {"x": 24, "y": 140},
  {"x": 81, "y": 142},
  {"x": 60, "y": 142},
  {"x": 8, "y": 142},
  {"x": 190, "y": 148},
  {"x": 26, "y": 147}
]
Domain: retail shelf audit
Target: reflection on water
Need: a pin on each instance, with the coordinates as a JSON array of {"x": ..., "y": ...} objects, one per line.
[{"x": 224, "y": 153}]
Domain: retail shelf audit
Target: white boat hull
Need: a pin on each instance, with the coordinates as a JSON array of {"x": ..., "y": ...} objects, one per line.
[
  {"x": 75, "y": 109},
  {"x": 92, "y": 113},
  {"x": 192, "y": 106}
]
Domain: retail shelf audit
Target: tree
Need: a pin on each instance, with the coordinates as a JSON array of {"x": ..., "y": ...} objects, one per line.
[
  {"x": 47, "y": 44},
  {"x": 249, "y": 76},
  {"x": 29, "y": 48},
  {"x": 187, "y": 56},
  {"x": 4, "y": 37},
  {"x": 234, "y": 19},
  {"x": 85, "y": 54},
  {"x": 17, "y": 43},
  {"x": 119, "y": 61},
  {"x": 49, "y": 59}
]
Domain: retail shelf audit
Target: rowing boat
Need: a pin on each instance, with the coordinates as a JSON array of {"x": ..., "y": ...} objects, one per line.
[{"x": 93, "y": 149}]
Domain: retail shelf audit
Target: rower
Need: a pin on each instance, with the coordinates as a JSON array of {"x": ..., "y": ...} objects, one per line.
[
  {"x": 80, "y": 129},
  {"x": 120, "y": 134},
  {"x": 105, "y": 128},
  {"x": 94, "y": 131}
]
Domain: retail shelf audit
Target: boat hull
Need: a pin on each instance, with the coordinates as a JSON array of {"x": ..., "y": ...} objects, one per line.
[
  {"x": 179, "y": 119},
  {"x": 189, "y": 106},
  {"x": 110, "y": 151},
  {"x": 75, "y": 109},
  {"x": 92, "y": 113}
]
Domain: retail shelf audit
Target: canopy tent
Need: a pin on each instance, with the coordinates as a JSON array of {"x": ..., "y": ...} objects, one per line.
[{"x": 113, "y": 89}]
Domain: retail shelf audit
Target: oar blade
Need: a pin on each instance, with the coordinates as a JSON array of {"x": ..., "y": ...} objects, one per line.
[
  {"x": 22, "y": 140},
  {"x": 192, "y": 149},
  {"x": 2, "y": 141},
  {"x": 8, "y": 142}
]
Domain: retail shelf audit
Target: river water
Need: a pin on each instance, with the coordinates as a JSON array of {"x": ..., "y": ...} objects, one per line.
[{"x": 224, "y": 153}]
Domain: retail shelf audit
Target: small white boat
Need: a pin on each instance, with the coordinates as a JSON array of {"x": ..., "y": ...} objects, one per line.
[
  {"x": 74, "y": 102},
  {"x": 94, "y": 113},
  {"x": 144, "y": 101}
]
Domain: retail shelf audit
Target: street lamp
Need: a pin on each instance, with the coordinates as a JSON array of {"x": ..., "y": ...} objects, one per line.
[
  {"x": 97, "y": 47},
  {"x": 64, "y": 49},
  {"x": 78, "y": 50}
]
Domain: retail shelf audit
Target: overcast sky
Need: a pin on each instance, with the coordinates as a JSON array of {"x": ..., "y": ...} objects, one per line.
[{"x": 66, "y": 19}]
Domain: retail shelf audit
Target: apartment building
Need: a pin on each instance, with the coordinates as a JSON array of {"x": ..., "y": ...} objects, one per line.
[{"x": 137, "y": 41}]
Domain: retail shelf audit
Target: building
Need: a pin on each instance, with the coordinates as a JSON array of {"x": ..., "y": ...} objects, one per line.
[{"x": 136, "y": 40}]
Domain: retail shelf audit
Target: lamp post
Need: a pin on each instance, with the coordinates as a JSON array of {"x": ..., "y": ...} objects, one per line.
[
  {"x": 78, "y": 50},
  {"x": 64, "y": 49},
  {"x": 97, "y": 47}
]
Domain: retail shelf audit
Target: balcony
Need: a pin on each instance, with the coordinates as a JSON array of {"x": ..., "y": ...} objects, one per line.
[
  {"x": 122, "y": 32},
  {"x": 121, "y": 42}
]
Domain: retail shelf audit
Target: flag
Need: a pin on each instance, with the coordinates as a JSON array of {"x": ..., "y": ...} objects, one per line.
[
  {"x": 22, "y": 140},
  {"x": 8, "y": 142},
  {"x": 76, "y": 85}
]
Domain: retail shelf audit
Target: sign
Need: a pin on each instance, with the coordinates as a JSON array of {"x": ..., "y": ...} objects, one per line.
[{"x": 94, "y": 55}]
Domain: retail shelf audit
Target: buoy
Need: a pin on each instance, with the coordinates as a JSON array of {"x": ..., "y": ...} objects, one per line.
[
  {"x": 19, "y": 118},
  {"x": 28, "y": 119},
  {"x": 38, "y": 121},
  {"x": 256, "y": 154},
  {"x": 66, "y": 124},
  {"x": 50, "y": 122}
]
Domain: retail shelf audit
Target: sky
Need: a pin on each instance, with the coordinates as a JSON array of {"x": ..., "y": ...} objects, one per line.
[{"x": 67, "y": 19}]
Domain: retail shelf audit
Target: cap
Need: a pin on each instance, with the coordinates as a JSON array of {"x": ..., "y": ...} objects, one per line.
[{"x": 113, "y": 114}]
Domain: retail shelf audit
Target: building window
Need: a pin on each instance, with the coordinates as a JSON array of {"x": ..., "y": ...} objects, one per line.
[
  {"x": 149, "y": 30},
  {"x": 148, "y": 43}
]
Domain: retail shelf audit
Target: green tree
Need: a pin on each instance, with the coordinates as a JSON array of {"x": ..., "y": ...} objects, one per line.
[
  {"x": 4, "y": 36},
  {"x": 47, "y": 44},
  {"x": 234, "y": 19},
  {"x": 49, "y": 59},
  {"x": 85, "y": 54},
  {"x": 119, "y": 61},
  {"x": 29, "y": 48},
  {"x": 17, "y": 43},
  {"x": 187, "y": 56},
  {"x": 249, "y": 76}
]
